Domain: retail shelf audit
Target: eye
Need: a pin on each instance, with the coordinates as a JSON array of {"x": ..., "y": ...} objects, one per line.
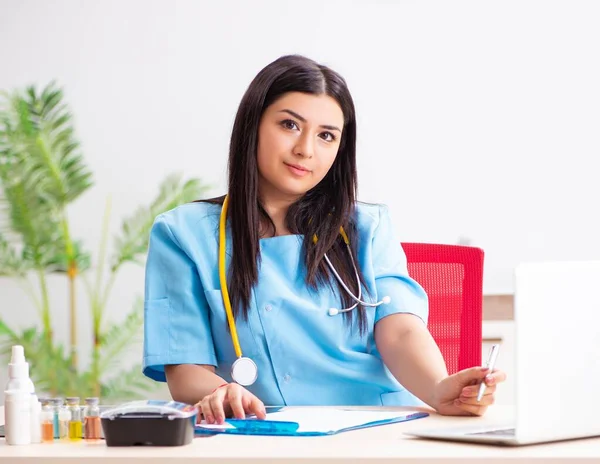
[
  {"x": 289, "y": 124},
  {"x": 327, "y": 136}
]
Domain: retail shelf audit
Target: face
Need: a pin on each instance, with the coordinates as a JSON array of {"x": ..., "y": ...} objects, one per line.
[{"x": 298, "y": 140}]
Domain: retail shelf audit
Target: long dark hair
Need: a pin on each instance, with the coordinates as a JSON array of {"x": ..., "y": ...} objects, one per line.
[{"x": 321, "y": 211}]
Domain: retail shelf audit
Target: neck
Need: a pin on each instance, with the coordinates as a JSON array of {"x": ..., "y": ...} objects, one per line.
[{"x": 277, "y": 207}]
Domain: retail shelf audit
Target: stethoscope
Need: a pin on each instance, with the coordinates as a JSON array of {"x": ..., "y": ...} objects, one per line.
[{"x": 244, "y": 371}]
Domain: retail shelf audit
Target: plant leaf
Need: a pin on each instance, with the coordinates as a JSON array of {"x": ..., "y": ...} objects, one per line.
[
  {"x": 10, "y": 264},
  {"x": 41, "y": 171},
  {"x": 50, "y": 366},
  {"x": 127, "y": 385},
  {"x": 121, "y": 335},
  {"x": 30, "y": 217},
  {"x": 38, "y": 132},
  {"x": 133, "y": 242},
  {"x": 6, "y": 331},
  {"x": 81, "y": 258}
]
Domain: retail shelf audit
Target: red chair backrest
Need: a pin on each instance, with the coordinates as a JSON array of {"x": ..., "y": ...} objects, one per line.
[{"x": 452, "y": 276}]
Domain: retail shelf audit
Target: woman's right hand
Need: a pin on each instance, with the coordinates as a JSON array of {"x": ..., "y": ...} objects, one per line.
[{"x": 230, "y": 400}]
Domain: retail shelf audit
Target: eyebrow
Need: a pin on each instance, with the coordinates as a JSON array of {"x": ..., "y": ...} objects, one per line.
[{"x": 297, "y": 116}]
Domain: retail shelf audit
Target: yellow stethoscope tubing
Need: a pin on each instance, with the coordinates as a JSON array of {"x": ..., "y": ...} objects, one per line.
[
  {"x": 223, "y": 279},
  {"x": 223, "y": 276}
]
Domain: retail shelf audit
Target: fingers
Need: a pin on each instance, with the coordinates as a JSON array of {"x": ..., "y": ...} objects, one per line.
[
  {"x": 473, "y": 391},
  {"x": 200, "y": 414},
  {"x": 469, "y": 395},
  {"x": 475, "y": 375},
  {"x": 472, "y": 375},
  {"x": 496, "y": 376},
  {"x": 252, "y": 405},
  {"x": 486, "y": 400},
  {"x": 256, "y": 407},
  {"x": 472, "y": 406},
  {"x": 474, "y": 409},
  {"x": 206, "y": 410},
  {"x": 234, "y": 398},
  {"x": 491, "y": 380},
  {"x": 215, "y": 402}
]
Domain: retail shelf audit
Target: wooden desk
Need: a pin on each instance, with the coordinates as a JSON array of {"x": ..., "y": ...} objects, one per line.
[{"x": 385, "y": 444}]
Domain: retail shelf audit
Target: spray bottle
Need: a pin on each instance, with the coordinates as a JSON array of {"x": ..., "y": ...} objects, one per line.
[
  {"x": 17, "y": 417},
  {"x": 20, "y": 386},
  {"x": 18, "y": 372}
]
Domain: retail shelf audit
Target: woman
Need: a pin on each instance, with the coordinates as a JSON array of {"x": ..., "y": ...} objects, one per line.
[{"x": 290, "y": 207}]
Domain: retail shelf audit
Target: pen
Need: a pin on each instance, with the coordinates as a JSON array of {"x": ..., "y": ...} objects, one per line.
[{"x": 491, "y": 363}]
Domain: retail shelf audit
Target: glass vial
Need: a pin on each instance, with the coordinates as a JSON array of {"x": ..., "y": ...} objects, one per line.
[
  {"x": 64, "y": 417},
  {"x": 47, "y": 423},
  {"x": 75, "y": 425},
  {"x": 91, "y": 419},
  {"x": 57, "y": 404}
]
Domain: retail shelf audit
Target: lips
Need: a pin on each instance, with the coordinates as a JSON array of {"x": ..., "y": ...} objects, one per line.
[{"x": 297, "y": 166}]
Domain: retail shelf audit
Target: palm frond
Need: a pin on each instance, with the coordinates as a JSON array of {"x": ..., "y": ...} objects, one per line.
[
  {"x": 30, "y": 215},
  {"x": 6, "y": 333},
  {"x": 51, "y": 368},
  {"x": 41, "y": 171},
  {"x": 38, "y": 130},
  {"x": 52, "y": 372},
  {"x": 10, "y": 264},
  {"x": 29, "y": 338},
  {"x": 50, "y": 364},
  {"x": 28, "y": 212},
  {"x": 121, "y": 335},
  {"x": 127, "y": 385},
  {"x": 60, "y": 262},
  {"x": 133, "y": 241},
  {"x": 37, "y": 351},
  {"x": 9, "y": 337}
]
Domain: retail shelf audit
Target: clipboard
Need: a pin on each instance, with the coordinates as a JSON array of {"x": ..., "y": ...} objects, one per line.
[{"x": 291, "y": 428}]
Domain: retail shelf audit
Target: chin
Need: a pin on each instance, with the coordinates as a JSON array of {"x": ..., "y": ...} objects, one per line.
[{"x": 294, "y": 190}]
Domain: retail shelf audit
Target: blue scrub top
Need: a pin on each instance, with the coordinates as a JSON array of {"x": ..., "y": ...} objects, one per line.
[{"x": 304, "y": 356}]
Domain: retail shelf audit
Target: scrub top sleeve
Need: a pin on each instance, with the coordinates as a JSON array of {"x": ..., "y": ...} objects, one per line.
[
  {"x": 391, "y": 274},
  {"x": 176, "y": 323}
]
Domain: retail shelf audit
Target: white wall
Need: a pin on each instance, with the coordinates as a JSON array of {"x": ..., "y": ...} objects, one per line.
[{"x": 476, "y": 119}]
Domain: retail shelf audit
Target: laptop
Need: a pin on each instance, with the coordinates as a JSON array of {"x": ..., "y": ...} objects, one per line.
[{"x": 557, "y": 376}]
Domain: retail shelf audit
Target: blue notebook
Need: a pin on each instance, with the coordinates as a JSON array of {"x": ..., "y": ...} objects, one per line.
[{"x": 308, "y": 421}]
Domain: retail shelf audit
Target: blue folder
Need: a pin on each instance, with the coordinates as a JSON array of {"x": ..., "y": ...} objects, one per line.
[{"x": 253, "y": 426}]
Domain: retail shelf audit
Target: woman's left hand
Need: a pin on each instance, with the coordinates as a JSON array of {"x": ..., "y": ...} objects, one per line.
[{"x": 456, "y": 395}]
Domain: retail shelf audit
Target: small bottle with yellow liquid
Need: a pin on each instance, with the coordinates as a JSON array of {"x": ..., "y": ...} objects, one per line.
[{"x": 75, "y": 422}]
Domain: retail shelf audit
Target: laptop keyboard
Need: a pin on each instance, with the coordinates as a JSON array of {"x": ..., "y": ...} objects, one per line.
[{"x": 498, "y": 432}]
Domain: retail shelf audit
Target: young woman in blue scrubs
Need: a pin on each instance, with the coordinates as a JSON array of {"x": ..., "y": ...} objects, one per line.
[{"x": 290, "y": 208}]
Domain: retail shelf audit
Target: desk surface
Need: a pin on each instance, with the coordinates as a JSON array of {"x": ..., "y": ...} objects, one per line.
[{"x": 385, "y": 444}]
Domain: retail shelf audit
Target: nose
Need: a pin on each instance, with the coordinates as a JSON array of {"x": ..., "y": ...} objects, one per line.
[{"x": 305, "y": 146}]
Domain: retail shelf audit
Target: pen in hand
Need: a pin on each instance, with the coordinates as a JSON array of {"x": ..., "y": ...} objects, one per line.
[{"x": 491, "y": 363}]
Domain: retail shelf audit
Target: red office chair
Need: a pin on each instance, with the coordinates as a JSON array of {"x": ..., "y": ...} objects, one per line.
[{"x": 452, "y": 276}]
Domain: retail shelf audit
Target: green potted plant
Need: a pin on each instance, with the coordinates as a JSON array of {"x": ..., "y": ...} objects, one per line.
[{"x": 42, "y": 172}]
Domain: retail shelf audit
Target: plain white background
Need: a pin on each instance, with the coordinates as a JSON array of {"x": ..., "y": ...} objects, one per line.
[{"x": 478, "y": 121}]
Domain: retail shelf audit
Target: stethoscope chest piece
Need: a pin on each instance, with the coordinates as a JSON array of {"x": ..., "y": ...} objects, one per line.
[{"x": 244, "y": 371}]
